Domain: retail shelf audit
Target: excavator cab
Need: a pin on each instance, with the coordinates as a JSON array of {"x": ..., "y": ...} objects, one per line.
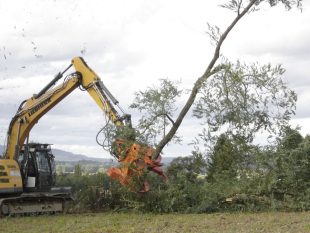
[{"x": 37, "y": 166}]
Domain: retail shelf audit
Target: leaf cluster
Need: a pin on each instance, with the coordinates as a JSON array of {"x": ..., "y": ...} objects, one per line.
[
  {"x": 245, "y": 99},
  {"x": 287, "y": 3},
  {"x": 156, "y": 105},
  {"x": 238, "y": 5}
]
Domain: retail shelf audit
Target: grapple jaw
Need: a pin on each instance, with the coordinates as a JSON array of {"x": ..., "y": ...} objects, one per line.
[{"x": 135, "y": 162}]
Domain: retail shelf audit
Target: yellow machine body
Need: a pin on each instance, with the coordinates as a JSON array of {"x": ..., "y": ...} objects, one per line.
[
  {"x": 10, "y": 177},
  {"x": 15, "y": 166}
]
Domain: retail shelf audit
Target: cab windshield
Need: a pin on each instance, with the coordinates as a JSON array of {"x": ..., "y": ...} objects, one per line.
[{"x": 42, "y": 161}]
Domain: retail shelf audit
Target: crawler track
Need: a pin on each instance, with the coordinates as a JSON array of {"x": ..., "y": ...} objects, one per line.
[{"x": 36, "y": 202}]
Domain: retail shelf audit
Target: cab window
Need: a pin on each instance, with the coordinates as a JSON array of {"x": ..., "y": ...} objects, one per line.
[{"x": 42, "y": 162}]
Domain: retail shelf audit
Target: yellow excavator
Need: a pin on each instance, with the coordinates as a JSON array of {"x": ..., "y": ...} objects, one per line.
[{"x": 27, "y": 170}]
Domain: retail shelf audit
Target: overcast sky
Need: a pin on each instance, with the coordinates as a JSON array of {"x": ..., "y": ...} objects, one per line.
[{"x": 131, "y": 45}]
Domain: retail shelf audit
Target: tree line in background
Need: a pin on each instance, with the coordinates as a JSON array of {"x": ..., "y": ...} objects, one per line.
[{"x": 237, "y": 176}]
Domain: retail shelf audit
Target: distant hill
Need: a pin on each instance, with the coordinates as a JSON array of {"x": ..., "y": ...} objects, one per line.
[
  {"x": 61, "y": 155},
  {"x": 167, "y": 160},
  {"x": 65, "y": 156}
]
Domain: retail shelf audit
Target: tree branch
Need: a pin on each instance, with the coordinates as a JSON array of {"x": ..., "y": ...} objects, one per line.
[
  {"x": 200, "y": 81},
  {"x": 169, "y": 118},
  {"x": 147, "y": 126}
]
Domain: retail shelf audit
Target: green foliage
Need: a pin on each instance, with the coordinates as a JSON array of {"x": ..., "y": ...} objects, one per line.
[
  {"x": 245, "y": 99},
  {"x": 290, "y": 140},
  {"x": 293, "y": 169},
  {"x": 157, "y": 106},
  {"x": 90, "y": 192},
  {"x": 223, "y": 159},
  {"x": 77, "y": 170},
  {"x": 190, "y": 167},
  {"x": 186, "y": 176},
  {"x": 274, "y": 178}
]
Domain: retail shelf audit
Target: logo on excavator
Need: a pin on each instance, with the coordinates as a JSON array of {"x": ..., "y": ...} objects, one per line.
[{"x": 39, "y": 106}]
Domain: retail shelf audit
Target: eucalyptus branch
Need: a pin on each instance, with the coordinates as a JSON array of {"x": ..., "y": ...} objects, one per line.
[
  {"x": 169, "y": 118},
  {"x": 198, "y": 84},
  {"x": 154, "y": 118}
]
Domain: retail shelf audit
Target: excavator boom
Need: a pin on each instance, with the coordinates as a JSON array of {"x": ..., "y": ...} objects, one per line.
[
  {"x": 16, "y": 173},
  {"x": 31, "y": 110}
]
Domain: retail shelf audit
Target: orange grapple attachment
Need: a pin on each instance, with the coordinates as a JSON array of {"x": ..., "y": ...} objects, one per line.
[{"x": 134, "y": 164}]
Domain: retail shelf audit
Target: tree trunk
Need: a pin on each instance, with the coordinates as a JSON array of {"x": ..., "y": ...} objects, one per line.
[{"x": 200, "y": 81}]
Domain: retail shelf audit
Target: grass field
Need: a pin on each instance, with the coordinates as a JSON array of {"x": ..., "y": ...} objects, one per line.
[{"x": 133, "y": 222}]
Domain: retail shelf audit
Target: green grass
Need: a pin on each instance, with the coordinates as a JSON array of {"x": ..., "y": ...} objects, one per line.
[{"x": 132, "y": 222}]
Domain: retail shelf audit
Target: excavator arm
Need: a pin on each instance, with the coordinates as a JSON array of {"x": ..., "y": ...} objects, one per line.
[
  {"x": 133, "y": 157},
  {"x": 31, "y": 110}
]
